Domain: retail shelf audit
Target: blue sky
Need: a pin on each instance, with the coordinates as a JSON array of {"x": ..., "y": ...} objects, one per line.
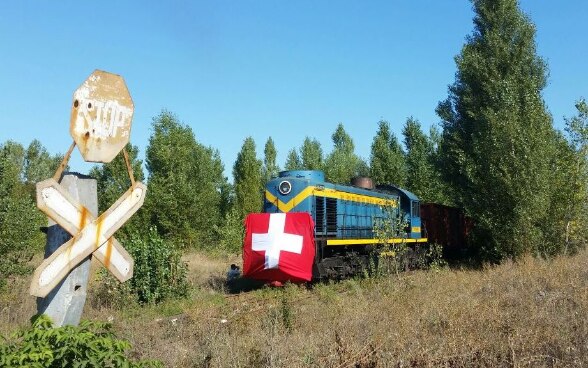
[{"x": 285, "y": 69}]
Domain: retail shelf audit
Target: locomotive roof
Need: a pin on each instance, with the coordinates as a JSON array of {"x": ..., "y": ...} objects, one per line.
[
  {"x": 394, "y": 188},
  {"x": 316, "y": 177}
]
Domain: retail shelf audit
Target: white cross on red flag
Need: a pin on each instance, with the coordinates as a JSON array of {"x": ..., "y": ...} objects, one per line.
[{"x": 279, "y": 247}]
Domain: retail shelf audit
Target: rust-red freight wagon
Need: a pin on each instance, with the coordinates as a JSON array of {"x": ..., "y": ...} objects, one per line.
[{"x": 447, "y": 226}]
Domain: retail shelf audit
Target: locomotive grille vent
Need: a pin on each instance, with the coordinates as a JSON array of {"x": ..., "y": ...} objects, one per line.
[
  {"x": 331, "y": 215},
  {"x": 320, "y": 214}
]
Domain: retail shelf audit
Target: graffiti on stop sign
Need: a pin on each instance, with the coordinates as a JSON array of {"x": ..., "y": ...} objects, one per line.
[{"x": 110, "y": 117}]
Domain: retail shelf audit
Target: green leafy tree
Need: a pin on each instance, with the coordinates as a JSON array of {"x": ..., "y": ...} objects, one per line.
[
  {"x": 387, "y": 163},
  {"x": 231, "y": 232},
  {"x": 422, "y": 178},
  {"x": 362, "y": 168},
  {"x": 227, "y": 198},
  {"x": 497, "y": 134},
  {"x": 13, "y": 155},
  {"x": 342, "y": 163},
  {"x": 113, "y": 178},
  {"x": 572, "y": 188},
  {"x": 270, "y": 167},
  {"x": 562, "y": 214},
  {"x": 311, "y": 154},
  {"x": 19, "y": 219},
  {"x": 293, "y": 161},
  {"x": 38, "y": 165},
  {"x": 247, "y": 179},
  {"x": 185, "y": 183},
  {"x": 113, "y": 181},
  {"x": 442, "y": 190}
]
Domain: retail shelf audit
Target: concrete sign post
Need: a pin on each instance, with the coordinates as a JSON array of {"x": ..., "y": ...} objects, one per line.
[
  {"x": 100, "y": 125},
  {"x": 64, "y": 304}
]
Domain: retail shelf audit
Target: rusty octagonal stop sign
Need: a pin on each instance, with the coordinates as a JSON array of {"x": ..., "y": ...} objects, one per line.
[{"x": 101, "y": 116}]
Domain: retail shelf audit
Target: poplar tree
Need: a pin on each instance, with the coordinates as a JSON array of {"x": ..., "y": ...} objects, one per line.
[
  {"x": 387, "y": 162},
  {"x": 498, "y": 138},
  {"x": 270, "y": 167},
  {"x": 442, "y": 190},
  {"x": 293, "y": 161},
  {"x": 311, "y": 154},
  {"x": 573, "y": 186},
  {"x": 247, "y": 179},
  {"x": 422, "y": 177},
  {"x": 185, "y": 182},
  {"x": 342, "y": 163}
]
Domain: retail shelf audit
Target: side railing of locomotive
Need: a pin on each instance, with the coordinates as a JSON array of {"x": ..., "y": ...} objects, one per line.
[{"x": 345, "y": 216}]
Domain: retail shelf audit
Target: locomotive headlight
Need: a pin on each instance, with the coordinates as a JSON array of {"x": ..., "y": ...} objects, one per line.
[{"x": 285, "y": 187}]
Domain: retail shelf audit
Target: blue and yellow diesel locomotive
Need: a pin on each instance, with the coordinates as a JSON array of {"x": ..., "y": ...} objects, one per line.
[{"x": 345, "y": 217}]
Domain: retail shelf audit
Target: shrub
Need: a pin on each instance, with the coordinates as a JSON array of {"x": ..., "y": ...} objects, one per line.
[
  {"x": 159, "y": 272},
  {"x": 92, "y": 344},
  {"x": 231, "y": 233},
  {"x": 20, "y": 220},
  {"x": 434, "y": 257},
  {"x": 20, "y": 237},
  {"x": 389, "y": 257}
]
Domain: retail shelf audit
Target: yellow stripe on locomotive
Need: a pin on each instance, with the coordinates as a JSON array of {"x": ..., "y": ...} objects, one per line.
[{"x": 344, "y": 215}]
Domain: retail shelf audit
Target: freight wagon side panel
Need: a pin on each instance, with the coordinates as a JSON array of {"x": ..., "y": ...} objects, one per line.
[{"x": 447, "y": 226}]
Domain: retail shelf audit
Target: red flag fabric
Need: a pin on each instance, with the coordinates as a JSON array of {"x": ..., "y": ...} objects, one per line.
[{"x": 279, "y": 247}]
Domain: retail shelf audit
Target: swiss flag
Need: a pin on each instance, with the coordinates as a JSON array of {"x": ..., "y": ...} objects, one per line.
[{"x": 279, "y": 247}]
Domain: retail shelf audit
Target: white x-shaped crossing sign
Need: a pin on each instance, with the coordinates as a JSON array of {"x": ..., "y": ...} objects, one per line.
[{"x": 90, "y": 236}]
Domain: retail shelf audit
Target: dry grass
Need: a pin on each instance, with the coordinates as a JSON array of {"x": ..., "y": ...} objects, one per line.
[{"x": 527, "y": 314}]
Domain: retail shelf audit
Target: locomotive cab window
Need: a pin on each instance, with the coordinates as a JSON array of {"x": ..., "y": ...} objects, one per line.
[{"x": 416, "y": 209}]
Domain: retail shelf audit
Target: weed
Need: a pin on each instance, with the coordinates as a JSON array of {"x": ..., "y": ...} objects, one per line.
[
  {"x": 434, "y": 257},
  {"x": 92, "y": 344},
  {"x": 528, "y": 313},
  {"x": 159, "y": 273},
  {"x": 286, "y": 312}
]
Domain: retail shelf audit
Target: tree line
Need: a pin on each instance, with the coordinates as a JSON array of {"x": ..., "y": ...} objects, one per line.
[{"x": 495, "y": 153}]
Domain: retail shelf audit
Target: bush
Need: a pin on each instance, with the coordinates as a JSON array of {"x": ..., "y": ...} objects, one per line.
[
  {"x": 159, "y": 272},
  {"x": 388, "y": 258},
  {"x": 231, "y": 233},
  {"x": 92, "y": 344},
  {"x": 20, "y": 237},
  {"x": 20, "y": 220}
]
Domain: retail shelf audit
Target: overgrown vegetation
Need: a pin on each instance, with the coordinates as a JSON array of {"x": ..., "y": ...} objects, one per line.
[
  {"x": 20, "y": 237},
  {"x": 498, "y": 156},
  {"x": 499, "y": 152},
  {"x": 530, "y": 313},
  {"x": 91, "y": 344},
  {"x": 392, "y": 258},
  {"x": 159, "y": 273},
  {"x": 185, "y": 184},
  {"x": 230, "y": 234},
  {"x": 576, "y": 209},
  {"x": 387, "y": 162},
  {"x": 342, "y": 163},
  {"x": 247, "y": 175}
]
